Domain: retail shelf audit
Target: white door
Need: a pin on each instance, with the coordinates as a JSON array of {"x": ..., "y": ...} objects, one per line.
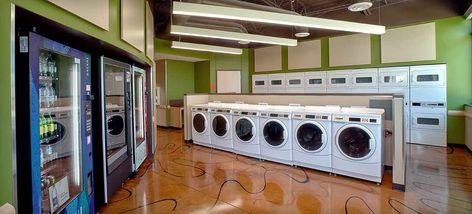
[
  {"x": 295, "y": 82},
  {"x": 228, "y": 82},
  {"x": 315, "y": 82},
  {"x": 428, "y": 75},
  {"x": 260, "y": 83}
]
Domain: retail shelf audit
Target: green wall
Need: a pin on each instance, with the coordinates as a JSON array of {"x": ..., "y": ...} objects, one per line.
[
  {"x": 55, "y": 13},
  {"x": 205, "y": 71},
  {"x": 180, "y": 79},
  {"x": 453, "y": 47}
]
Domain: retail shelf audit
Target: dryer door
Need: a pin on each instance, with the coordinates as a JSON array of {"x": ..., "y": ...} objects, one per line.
[
  {"x": 275, "y": 133},
  {"x": 115, "y": 125},
  {"x": 245, "y": 129},
  {"x": 355, "y": 142},
  {"x": 220, "y": 125},
  {"x": 199, "y": 123},
  {"x": 311, "y": 136}
]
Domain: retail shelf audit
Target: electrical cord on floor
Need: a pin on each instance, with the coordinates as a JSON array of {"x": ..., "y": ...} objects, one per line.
[
  {"x": 356, "y": 197},
  {"x": 242, "y": 186},
  {"x": 403, "y": 204}
]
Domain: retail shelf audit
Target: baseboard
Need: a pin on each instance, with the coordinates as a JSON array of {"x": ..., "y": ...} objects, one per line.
[
  {"x": 460, "y": 146},
  {"x": 399, "y": 187},
  {"x": 389, "y": 168},
  {"x": 188, "y": 141}
]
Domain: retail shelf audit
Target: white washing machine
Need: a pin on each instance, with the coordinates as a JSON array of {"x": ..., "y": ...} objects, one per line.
[
  {"x": 260, "y": 83},
  {"x": 276, "y": 83},
  {"x": 275, "y": 134},
  {"x": 245, "y": 129},
  {"x": 61, "y": 145},
  {"x": 358, "y": 143},
  {"x": 295, "y": 82},
  {"x": 365, "y": 81},
  {"x": 200, "y": 125},
  {"x": 338, "y": 81},
  {"x": 312, "y": 137},
  {"x": 221, "y": 135},
  {"x": 315, "y": 82},
  {"x": 116, "y": 128}
]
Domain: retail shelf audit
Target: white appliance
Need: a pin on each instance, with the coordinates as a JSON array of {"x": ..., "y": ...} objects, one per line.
[
  {"x": 428, "y": 83},
  {"x": 276, "y": 83},
  {"x": 358, "y": 143},
  {"x": 275, "y": 134},
  {"x": 429, "y": 123},
  {"x": 428, "y": 105},
  {"x": 338, "y": 81},
  {"x": 116, "y": 134},
  {"x": 395, "y": 80},
  {"x": 201, "y": 125},
  {"x": 312, "y": 137},
  {"x": 295, "y": 82},
  {"x": 365, "y": 81},
  {"x": 221, "y": 135},
  {"x": 468, "y": 126},
  {"x": 246, "y": 130},
  {"x": 61, "y": 145},
  {"x": 315, "y": 82},
  {"x": 260, "y": 83}
]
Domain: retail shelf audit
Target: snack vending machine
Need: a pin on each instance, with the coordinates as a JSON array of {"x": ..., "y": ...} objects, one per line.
[{"x": 53, "y": 126}]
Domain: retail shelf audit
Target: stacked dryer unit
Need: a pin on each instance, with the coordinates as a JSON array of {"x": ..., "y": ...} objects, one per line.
[
  {"x": 260, "y": 83},
  {"x": 276, "y": 83},
  {"x": 339, "y": 81},
  {"x": 295, "y": 82},
  {"x": 358, "y": 143},
  {"x": 428, "y": 105},
  {"x": 312, "y": 137},
  {"x": 221, "y": 135},
  {"x": 365, "y": 81},
  {"x": 315, "y": 82}
]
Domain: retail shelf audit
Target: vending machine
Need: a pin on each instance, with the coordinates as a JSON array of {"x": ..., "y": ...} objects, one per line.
[
  {"x": 140, "y": 148},
  {"x": 53, "y": 126}
]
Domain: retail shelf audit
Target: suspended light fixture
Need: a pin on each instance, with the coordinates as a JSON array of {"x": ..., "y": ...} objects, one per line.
[
  {"x": 235, "y": 36},
  {"x": 360, "y": 5},
  {"x": 207, "y": 48},
  {"x": 211, "y": 11}
]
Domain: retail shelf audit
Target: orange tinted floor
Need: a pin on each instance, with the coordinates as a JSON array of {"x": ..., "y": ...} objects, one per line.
[{"x": 184, "y": 178}]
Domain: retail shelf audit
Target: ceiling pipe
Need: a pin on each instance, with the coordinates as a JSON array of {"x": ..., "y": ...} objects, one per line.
[{"x": 248, "y": 5}]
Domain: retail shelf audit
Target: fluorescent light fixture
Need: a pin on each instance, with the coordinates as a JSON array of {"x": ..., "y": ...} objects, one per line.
[
  {"x": 208, "y": 48},
  {"x": 219, "y": 34},
  {"x": 211, "y": 11}
]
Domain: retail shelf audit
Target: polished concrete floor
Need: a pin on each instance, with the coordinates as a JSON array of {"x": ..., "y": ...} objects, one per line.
[{"x": 185, "y": 178}]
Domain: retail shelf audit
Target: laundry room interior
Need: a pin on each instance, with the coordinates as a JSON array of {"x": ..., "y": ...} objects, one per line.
[{"x": 236, "y": 106}]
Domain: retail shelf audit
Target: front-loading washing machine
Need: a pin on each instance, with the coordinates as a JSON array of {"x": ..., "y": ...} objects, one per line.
[
  {"x": 312, "y": 137},
  {"x": 200, "y": 125},
  {"x": 245, "y": 129},
  {"x": 116, "y": 128},
  {"x": 358, "y": 143},
  {"x": 275, "y": 134},
  {"x": 221, "y": 135}
]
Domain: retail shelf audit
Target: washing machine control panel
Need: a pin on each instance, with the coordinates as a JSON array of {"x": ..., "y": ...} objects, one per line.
[
  {"x": 311, "y": 116},
  {"x": 275, "y": 115},
  {"x": 199, "y": 109},
  {"x": 369, "y": 120},
  {"x": 245, "y": 113}
]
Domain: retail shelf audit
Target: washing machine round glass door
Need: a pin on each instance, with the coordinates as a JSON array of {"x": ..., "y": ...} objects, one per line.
[
  {"x": 311, "y": 136},
  {"x": 116, "y": 125},
  {"x": 220, "y": 125},
  {"x": 355, "y": 142},
  {"x": 199, "y": 123},
  {"x": 245, "y": 129},
  {"x": 275, "y": 133}
]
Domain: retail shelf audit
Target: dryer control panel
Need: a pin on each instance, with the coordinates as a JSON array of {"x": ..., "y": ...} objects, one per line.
[
  {"x": 311, "y": 116},
  {"x": 245, "y": 113}
]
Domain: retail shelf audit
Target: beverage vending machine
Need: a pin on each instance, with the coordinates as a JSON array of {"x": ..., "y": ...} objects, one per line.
[{"x": 54, "y": 127}]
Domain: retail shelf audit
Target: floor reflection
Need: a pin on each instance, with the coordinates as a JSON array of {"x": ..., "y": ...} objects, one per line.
[{"x": 184, "y": 178}]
